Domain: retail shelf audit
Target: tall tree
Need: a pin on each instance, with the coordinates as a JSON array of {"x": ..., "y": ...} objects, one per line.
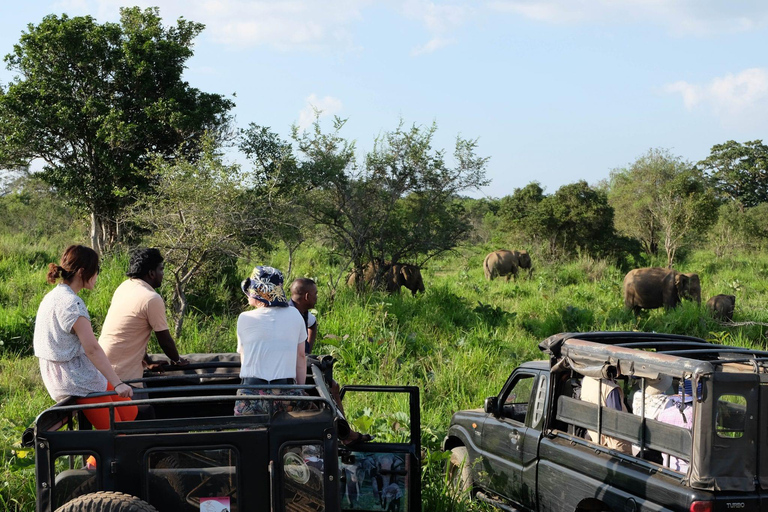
[
  {"x": 627, "y": 194},
  {"x": 402, "y": 204},
  {"x": 739, "y": 171},
  {"x": 93, "y": 100},
  {"x": 663, "y": 196}
]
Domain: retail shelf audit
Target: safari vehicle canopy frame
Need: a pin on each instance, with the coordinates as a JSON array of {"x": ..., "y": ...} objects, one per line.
[{"x": 728, "y": 444}]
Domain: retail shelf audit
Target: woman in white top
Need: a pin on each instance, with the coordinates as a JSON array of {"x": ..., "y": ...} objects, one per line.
[
  {"x": 71, "y": 361},
  {"x": 270, "y": 341}
]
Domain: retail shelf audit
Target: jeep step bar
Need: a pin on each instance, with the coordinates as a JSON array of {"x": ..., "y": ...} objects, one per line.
[{"x": 496, "y": 503}]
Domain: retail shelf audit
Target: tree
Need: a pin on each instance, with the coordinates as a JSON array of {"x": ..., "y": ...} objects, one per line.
[
  {"x": 93, "y": 101},
  {"x": 575, "y": 217},
  {"x": 402, "y": 205},
  {"x": 517, "y": 212},
  {"x": 739, "y": 172},
  {"x": 198, "y": 213},
  {"x": 627, "y": 194},
  {"x": 483, "y": 218},
  {"x": 275, "y": 174},
  {"x": 661, "y": 198}
]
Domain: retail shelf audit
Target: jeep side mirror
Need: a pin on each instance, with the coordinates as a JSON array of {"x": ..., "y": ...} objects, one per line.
[{"x": 491, "y": 404}]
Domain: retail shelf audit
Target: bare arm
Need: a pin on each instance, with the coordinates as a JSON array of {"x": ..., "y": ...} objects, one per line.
[
  {"x": 301, "y": 364},
  {"x": 165, "y": 340},
  {"x": 311, "y": 336},
  {"x": 94, "y": 352}
]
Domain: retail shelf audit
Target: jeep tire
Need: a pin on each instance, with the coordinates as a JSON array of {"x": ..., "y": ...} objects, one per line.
[
  {"x": 107, "y": 501},
  {"x": 460, "y": 472}
]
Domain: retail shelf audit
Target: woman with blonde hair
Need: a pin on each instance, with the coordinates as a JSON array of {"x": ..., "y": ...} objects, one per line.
[{"x": 71, "y": 361}]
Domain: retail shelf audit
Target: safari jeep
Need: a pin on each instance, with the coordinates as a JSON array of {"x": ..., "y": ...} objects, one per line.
[
  {"x": 541, "y": 445},
  {"x": 195, "y": 455}
]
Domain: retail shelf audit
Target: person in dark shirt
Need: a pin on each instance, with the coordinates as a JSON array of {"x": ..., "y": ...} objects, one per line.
[{"x": 304, "y": 298}]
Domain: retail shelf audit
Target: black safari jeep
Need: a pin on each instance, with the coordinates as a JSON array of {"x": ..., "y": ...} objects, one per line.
[
  {"x": 195, "y": 455},
  {"x": 554, "y": 440}
]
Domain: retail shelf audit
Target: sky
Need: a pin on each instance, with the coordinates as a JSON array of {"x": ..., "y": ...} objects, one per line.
[{"x": 554, "y": 91}]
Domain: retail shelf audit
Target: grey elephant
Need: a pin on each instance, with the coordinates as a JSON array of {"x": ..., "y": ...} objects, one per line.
[
  {"x": 721, "y": 307},
  {"x": 506, "y": 263},
  {"x": 694, "y": 287},
  {"x": 393, "y": 277},
  {"x": 650, "y": 288}
]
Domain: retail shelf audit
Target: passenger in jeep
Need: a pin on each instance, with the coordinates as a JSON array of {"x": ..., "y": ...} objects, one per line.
[
  {"x": 607, "y": 393},
  {"x": 135, "y": 312},
  {"x": 71, "y": 361},
  {"x": 680, "y": 413},
  {"x": 270, "y": 341},
  {"x": 304, "y": 298}
]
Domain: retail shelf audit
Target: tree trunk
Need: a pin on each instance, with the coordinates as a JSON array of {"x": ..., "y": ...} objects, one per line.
[
  {"x": 670, "y": 247},
  {"x": 180, "y": 305},
  {"x": 97, "y": 233},
  {"x": 291, "y": 249}
]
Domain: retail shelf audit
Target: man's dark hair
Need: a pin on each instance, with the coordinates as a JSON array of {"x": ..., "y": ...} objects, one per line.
[
  {"x": 301, "y": 285},
  {"x": 142, "y": 261}
]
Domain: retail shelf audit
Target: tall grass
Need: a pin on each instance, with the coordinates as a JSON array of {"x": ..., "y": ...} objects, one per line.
[{"x": 457, "y": 342}]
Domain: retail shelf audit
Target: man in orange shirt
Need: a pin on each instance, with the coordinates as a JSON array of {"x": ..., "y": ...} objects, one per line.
[{"x": 136, "y": 311}]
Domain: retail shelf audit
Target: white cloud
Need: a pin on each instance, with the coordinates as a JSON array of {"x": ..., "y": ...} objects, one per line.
[
  {"x": 290, "y": 24},
  {"x": 432, "y": 45},
  {"x": 322, "y": 107},
  {"x": 736, "y": 99},
  {"x": 700, "y": 17},
  {"x": 439, "y": 20},
  {"x": 283, "y": 24}
]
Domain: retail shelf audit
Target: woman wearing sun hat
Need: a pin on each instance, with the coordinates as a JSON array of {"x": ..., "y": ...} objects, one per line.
[{"x": 270, "y": 341}]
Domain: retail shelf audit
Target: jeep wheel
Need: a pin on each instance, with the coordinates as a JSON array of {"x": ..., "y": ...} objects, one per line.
[
  {"x": 460, "y": 473},
  {"x": 107, "y": 501}
]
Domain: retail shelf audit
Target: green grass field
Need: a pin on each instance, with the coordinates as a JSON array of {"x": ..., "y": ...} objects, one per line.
[{"x": 457, "y": 342}]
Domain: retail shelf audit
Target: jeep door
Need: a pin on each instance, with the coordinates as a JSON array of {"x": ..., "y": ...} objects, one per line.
[{"x": 510, "y": 437}]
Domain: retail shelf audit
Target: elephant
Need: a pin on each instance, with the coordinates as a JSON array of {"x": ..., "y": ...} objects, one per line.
[
  {"x": 650, "y": 288},
  {"x": 721, "y": 306},
  {"x": 394, "y": 277},
  {"x": 506, "y": 263},
  {"x": 694, "y": 287}
]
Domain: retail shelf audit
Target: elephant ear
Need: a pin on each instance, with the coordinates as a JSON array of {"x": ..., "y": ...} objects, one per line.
[
  {"x": 406, "y": 275},
  {"x": 681, "y": 283}
]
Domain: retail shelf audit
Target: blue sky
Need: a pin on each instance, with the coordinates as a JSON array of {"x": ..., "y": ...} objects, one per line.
[{"x": 555, "y": 90}]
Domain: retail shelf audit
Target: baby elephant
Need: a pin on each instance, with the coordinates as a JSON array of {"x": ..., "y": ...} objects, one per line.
[{"x": 721, "y": 307}]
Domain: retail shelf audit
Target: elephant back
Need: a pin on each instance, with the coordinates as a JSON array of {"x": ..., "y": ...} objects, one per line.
[{"x": 500, "y": 263}]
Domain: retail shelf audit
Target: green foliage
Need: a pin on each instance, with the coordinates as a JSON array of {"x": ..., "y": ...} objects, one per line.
[
  {"x": 518, "y": 212},
  {"x": 578, "y": 216},
  {"x": 401, "y": 205},
  {"x": 31, "y": 208},
  {"x": 662, "y": 201},
  {"x": 22, "y": 397},
  {"x": 738, "y": 171},
  {"x": 482, "y": 217},
  {"x": 739, "y": 227},
  {"x": 575, "y": 218},
  {"x": 93, "y": 100}
]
